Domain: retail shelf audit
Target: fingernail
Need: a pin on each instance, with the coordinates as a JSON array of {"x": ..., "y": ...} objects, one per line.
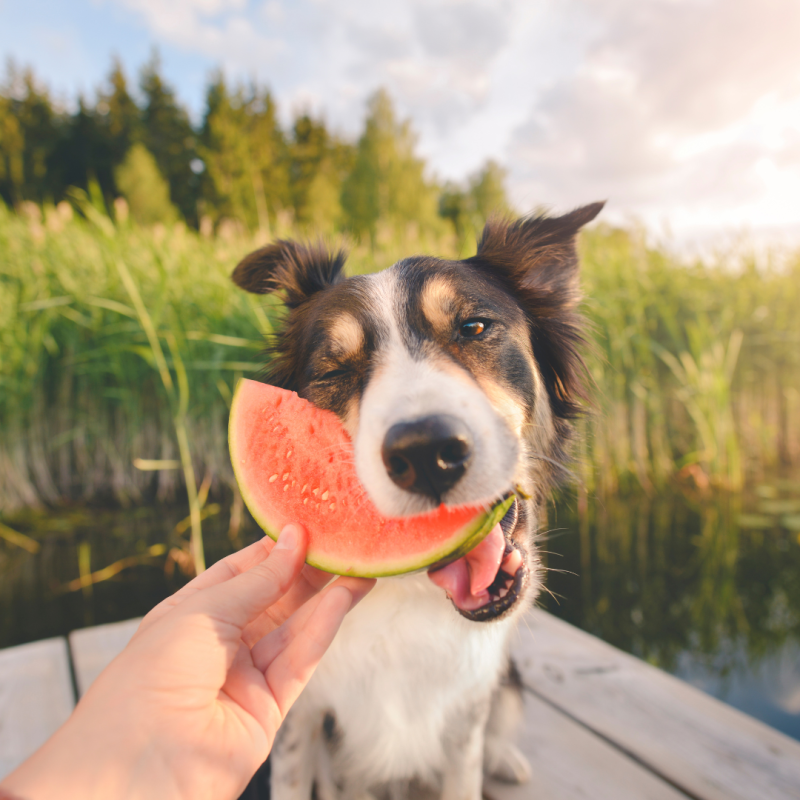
[{"x": 288, "y": 538}]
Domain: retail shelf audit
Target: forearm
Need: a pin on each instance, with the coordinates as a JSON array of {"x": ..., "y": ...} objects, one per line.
[{"x": 79, "y": 762}]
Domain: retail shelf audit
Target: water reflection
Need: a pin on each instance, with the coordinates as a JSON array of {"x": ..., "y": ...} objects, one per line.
[{"x": 706, "y": 588}]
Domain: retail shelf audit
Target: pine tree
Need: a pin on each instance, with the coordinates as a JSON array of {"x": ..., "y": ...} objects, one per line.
[
  {"x": 120, "y": 117},
  {"x": 29, "y": 140},
  {"x": 168, "y": 135}
]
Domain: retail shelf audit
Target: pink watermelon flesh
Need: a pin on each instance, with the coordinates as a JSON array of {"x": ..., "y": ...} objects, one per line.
[{"x": 294, "y": 463}]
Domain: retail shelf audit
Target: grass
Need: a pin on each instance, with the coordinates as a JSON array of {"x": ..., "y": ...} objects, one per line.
[{"x": 120, "y": 348}]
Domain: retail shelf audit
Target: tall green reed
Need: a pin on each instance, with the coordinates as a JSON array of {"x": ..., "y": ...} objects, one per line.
[{"x": 120, "y": 347}]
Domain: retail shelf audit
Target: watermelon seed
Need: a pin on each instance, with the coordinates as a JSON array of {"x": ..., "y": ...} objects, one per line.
[
  {"x": 286, "y": 488},
  {"x": 325, "y": 495},
  {"x": 273, "y": 478},
  {"x": 305, "y": 486},
  {"x": 285, "y": 476},
  {"x": 315, "y": 492},
  {"x": 293, "y": 483},
  {"x": 276, "y": 428},
  {"x": 305, "y": 501},
  {"x": 288, "y": 454},
  {"x": 333, "y": 506}
]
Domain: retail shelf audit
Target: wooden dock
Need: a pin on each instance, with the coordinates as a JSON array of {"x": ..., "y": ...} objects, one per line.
[{"x": 599, "y": 723}]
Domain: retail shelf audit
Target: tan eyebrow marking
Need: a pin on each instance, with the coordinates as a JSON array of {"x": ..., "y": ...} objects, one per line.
[
  {"x": 438, "y": 300},
  {"x": 347, "y": 335}
]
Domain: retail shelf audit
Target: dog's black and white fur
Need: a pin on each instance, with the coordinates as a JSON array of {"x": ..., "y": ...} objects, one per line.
[{"x": 416, "y": 695}]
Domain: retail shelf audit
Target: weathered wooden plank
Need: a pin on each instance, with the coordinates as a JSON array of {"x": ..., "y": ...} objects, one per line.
[
  {"x": 36, "y": 697},
  {"x": 708, "y": 749},
  {"x": 571, "y": 763},
  {"x": 93, "y": 649}
]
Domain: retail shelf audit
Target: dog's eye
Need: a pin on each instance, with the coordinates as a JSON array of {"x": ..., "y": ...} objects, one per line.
[
  {"x": 332, "y": 375},
  {"x": 474, "y": 327}
]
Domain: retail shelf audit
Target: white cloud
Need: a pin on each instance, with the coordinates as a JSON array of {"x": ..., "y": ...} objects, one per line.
[{"x": 687, "y": 110}]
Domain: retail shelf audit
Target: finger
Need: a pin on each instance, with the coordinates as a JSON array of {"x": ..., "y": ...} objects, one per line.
[
  {"x": 265, "y": 651},
  {"x": 289, "y": 673},
  {"x": 240, "y": 600},
  {"x": 225, "y": 569}
]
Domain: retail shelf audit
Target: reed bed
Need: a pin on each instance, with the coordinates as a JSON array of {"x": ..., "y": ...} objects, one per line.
[{"x": 120, "y": 347}]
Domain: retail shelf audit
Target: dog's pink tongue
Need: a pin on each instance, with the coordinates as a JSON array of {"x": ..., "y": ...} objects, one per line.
[{"x": 467, "y": 578}]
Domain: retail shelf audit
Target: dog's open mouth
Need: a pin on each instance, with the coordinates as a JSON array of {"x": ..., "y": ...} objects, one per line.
[{"x": 488, "y": 580}]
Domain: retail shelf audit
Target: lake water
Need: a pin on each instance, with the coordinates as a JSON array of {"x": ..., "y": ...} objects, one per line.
[{"x": 705, "y": 588}]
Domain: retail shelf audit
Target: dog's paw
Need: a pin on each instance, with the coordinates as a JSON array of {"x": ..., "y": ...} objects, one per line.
[{"x": 504, "y": 762}]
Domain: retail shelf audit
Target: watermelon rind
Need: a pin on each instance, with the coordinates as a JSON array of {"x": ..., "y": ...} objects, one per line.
[{"x": 458, "y": 544}]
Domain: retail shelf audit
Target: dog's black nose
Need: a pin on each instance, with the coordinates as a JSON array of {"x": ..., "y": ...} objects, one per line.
[{"x": 429, "y": 455}]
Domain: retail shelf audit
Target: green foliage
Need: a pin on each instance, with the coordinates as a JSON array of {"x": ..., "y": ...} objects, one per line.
[
  {"x": 468, "y": 208},
  {"x": 143, "y": 186},
  {"x": 243, "y": 150},
  {"x": 386, "y": 193},
  {"x": 168, "y": 135}
]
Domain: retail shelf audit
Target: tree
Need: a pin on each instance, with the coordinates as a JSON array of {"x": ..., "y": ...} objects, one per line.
[
  {"x": 244, "y": 152},
  {"x": 318, "y": 164},
  {"x": 120, "y": 117},
  {"x": 144, "y": 187},
  {"x": 386, "y": 187},
  {"x": 30, "y": 130},
  {"x": 468, "y": 208},
  {"x": 487, "y": 191},
  {"x": 168, "y": 135}
]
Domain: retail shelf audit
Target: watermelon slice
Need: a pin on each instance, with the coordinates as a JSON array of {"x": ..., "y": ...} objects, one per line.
[{"x": 294, "y": 463}]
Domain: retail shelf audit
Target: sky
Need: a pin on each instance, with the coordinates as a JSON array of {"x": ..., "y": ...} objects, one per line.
[{"x": 683, "y": 114}]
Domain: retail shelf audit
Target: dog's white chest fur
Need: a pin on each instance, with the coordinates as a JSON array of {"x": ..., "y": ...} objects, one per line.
[{"x": 398, "y": 673}]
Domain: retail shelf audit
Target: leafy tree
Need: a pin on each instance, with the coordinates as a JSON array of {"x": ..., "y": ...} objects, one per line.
[
  {"x": 487, "y": 191},
  {"x": 468, "y": 208},
  {"x": 318, "y": 164},
  {"x": 144, "y": 187},
  {"x": 167, "y": 133},
  {"x": 386, "y": 188},
  {"x": 244, "y": 152}
]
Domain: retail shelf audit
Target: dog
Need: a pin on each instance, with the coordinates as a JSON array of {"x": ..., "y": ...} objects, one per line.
[{"x": 457, "y": 382}]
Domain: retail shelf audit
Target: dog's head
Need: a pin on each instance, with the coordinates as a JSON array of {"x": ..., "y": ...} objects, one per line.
[{"x": 456, "y": 380}]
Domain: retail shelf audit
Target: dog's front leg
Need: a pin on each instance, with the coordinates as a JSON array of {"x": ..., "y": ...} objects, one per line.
[
  {"x": 462, "y": 778},
  {"x": 294, "y": 756}
]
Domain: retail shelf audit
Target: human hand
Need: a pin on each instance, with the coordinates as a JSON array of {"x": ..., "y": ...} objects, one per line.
[{"x": 191, "y": 707}]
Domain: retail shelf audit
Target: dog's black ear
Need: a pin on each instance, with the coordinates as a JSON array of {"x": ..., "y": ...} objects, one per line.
[
  {"x": 538, "y": 254},
  {"x": 298, "y": 270},
  {"x": 536, "y": 258}
]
